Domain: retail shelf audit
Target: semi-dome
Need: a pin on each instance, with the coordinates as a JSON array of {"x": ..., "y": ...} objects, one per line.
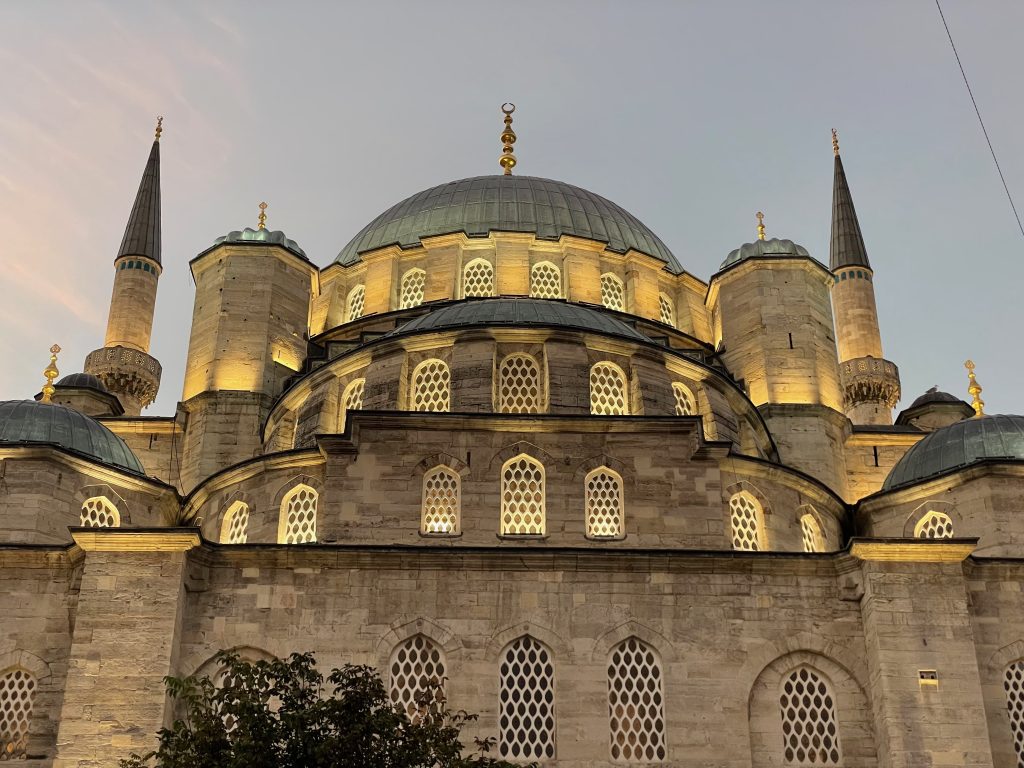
[
  {"x": 25, "y": 422},
  {"x": 249, "y": 236},
  {"x": 83, "y": 380},
  {"x": 483, "y": 204},
  {"x": 959, "y": 445},
  {"x": 772, "y": 247}
]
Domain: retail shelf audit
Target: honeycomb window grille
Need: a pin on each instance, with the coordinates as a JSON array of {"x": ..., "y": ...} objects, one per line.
[
  {"x": 413, "y": 284},
  {"x": 605, "y": 507},
  {"x": 526, "y": 721},
  {"x": 613, "y": 292},
  {"x": 545, "y": 281},
  {"x": 417, "y": 677},
  {"x": 747, "y": 522},
  {"x": 298, "y": 516},
  {"x": 441, "y": 502},
  {"x": 814, "y": 541},
  {"x": 478, "y": 278},
  {"x": 354, "y": 305},
  {"x": 99, "y": 512},
  {"x": 686, "y": 404},
  {"x": 519, "y": 386},
  {"x": 934, "y": 525},
  {"x": 431, "y": 386},
  {"x": 810, "y": 727},
  {"x": 234, "y": 529},
  {"x": 522, "y": 497},
  {"x": 608, "y": 390},
  {"x": 351, "y": 400},
  {"x": 1013, "y": 684},
  {"x": 636, "y": 707},
  {"x": 666, "y": 310},
  {"x": 17, "y": 690}
]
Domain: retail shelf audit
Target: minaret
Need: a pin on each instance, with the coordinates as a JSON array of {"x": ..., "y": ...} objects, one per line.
[
  {"x": 871, "y": 384},
  {"x": 124, "y": 364}
]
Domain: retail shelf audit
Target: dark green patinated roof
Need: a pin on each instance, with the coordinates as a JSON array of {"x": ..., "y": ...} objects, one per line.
[
  {"x": 83, "y": 380},
  {"x": 846, "y": 248},
  {"x": 250, "y": 236},
  {"x": 484, "y": 204},
  {"x": 26, "y": 422},
  {"x": 142, "y": 235},
  {"x": 959, "y": 445},
  {"x": 519, "y": 313},
  {"x": 772, "y": 247}
]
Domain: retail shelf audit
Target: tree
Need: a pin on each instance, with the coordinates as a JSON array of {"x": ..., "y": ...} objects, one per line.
[{"x": 280, "y": 714}]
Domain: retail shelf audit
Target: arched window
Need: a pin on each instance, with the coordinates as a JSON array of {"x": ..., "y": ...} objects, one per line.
[
  {"x": 417, "y": 671},
  {"x": 686, "y": 405},
  {"x": 354, "y": 305},
  {"x": 413, "y": 283},
  {"x": 522, "y": 497},
  {"x": 99, "y": 512},
  {"x": 1013, "y": 684},
  {"x": 17, "y": 690},
  {"x": 934, "y": 525},
  {"x": 478, "y": 278},
  {"x": 298, "y": 516},
  {"x": 351, "y": 400},
  {"x": 636, "y": 709},
  {"x": 747, "y": 522},
  {"x": 667, "y": 310},
  {"x": 431, "y": 386},
  {"x": 608, "y": 390},
  {"x": 519, "y": 388},
  {"x": 814, "y": 541},
  {"x": 441, "y": 501},
  {"x": 605, "y": 508},
  {"x": 526, "y": 723},
  {"x": 810, "y": 727},
  {"x": 545, "y": 281},
  {"x": 613, "y": 292},
  {"x": 234, "y": 528}
]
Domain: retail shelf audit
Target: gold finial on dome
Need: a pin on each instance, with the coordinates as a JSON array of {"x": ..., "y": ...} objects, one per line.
[
  {"x": 835, "y": 142},
  {"x": 508, "y": 138},
  {"x": 159, "y": 126},
  {"x": 263, "y": 216},
  {"x": 974, "y": 388},
  {"x": 760, "y": 226},
  {"x": 51, "y": 373}
]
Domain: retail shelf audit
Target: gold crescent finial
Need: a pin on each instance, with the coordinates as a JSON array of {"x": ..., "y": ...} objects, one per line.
[
  {"x": 51, "y": 373},
  {"x": 508, "y": 138},
  {"x": 835, "y": 142},
  {"x": 263, "y": 216},
  {"x": 974, "y": 388},
  {"x": 760, "y": 226},
  {"x": 159, "y": 126}
]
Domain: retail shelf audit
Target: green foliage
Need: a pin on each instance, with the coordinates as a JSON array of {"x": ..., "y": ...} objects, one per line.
[{"x": 284, "y": 714}]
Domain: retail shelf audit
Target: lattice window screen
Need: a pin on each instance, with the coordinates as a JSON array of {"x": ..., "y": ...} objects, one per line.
[
  {"x": 351, "y": 400},
  {"x": 613, "y": 293},
  {"x": 545, "y": 281},
  {"x": 668, "y": 313},
  {"x": 431, "y": 386},
  {"x": 607, "y": 390},
  {"x": 685, "y": 403},
  {"x": 934, "y": 525},
  {"x": 478, "y": 278},
  {"x": 1013, "y": 683},
  {"x": 813, "y": 539},
  {"x": 235, "y": 527},
  {"x": 604, "y": 503},
  {"x": 527, "y": 720},
  {"x": 413, "y": 283},
  {"x": 440, "y": 501},
  {"x": 810, "y": 728},
  {"x": 522, "y": 497},
  {"x": 747, "y": 523},
  {"x": 519, "y": 389},
  {"x": 417, "y": 666},
  {"x": 356, "y": 300},
  {"x": 636, "y": 709},
  {"x": 298, "y": 516},
  {"x": 99, "y": 512},
  {"x": 17, "y": 688}
]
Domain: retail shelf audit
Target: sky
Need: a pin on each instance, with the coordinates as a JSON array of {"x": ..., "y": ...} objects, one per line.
[{"x": 691, "y": 115}]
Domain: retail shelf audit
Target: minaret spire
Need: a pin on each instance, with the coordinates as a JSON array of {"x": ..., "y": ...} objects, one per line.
[
  {"x": 142, "y": 235},
  {"x": 847, "y": 248}
]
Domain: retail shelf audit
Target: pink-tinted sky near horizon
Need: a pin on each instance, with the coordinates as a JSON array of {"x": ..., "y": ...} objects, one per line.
[{"x": 691, "y": 115}]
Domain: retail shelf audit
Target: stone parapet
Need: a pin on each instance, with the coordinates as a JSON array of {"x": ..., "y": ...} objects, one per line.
[
  {"x": 132, "y": 375},
  {"x": 873, "y": 382}
]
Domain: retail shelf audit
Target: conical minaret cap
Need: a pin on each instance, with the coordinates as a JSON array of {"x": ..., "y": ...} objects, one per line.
[
  {"x": 847, "y": 246},
  {"x": 142, "y": 235}
]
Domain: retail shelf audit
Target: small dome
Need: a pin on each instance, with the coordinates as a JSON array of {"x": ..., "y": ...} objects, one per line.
[
  {"x": 270, "y": 237},
  {"x": 29, "y": 422},
  {"x": 933, "y": 395},
  {"x": 86, "y": 380},
  {"x": 773, "y": 247},
  {"x": 959, "y": 445}
]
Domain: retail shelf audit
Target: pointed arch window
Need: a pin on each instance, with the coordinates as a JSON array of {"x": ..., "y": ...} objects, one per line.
[
  {"x": 608, "y": 390},
  {"x": 747, "y": 522},
  {"x": 234, "y": 528},
  {"x": 298, "y": 516},
  {"x": 414, "y": 282},
  {"x": 604, "y": 503},
  {"x": 810, "y": 727},
  {"x": 686, "y": 403},
  {"x": 636, "y": 707},
  {"x": 545, "y": 281},
  {"x": 1013, "y": 684},
  {"x": 100, "y": 512},
  {"x": 814, "y": 540},
  {"x": 354, "y": 305},
  {"x": 666, "y": 309},
  {"x": 17, "y": 692},
  {"x": 351, "y": 400},
  {"x": 478, "y": 278},
  {"x": 522, "y": 497},
  {"x": 519, "y": 385},
  {"x": 441, "y": 501},
  {"x": 934, "y": 525},
  {"x": 526, "y": 721},
  {"x": 431, "y": 386},
  {"x": 417, "y": 677},
  {"x": 613, "y": 292}
]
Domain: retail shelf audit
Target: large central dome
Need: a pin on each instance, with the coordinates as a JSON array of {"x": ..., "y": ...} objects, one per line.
[{"x": 483, "y": 204}]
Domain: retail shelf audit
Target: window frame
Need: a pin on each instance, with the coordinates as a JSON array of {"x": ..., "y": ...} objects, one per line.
[
  {"x": 282, "y": 525},
  {"x": 605, "y": 470}
]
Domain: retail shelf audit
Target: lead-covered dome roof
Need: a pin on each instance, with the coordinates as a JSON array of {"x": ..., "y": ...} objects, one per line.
[
  {"x": 773, "y": 247},
  {"x": 483, "y": 204},
  {"x": 959, "y": 445},
  {"x": 83, "y": 380},
  {"x": 27, "y": 422}
]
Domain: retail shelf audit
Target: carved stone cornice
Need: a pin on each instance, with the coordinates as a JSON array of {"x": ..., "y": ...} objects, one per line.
[{"x": 870, "y": 380}]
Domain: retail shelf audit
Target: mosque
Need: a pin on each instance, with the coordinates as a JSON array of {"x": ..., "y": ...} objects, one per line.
[{"x": 507, "y": 441}]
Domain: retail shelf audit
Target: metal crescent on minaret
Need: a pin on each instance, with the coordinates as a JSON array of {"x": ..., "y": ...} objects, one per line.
[
  {"x": 508, "y": 138},
  {"x": 974, "y": 388},
  {"x": 51, "y": 373},
  {"x": 263, "y": 216},
  {"x": 760, "y": 225}
]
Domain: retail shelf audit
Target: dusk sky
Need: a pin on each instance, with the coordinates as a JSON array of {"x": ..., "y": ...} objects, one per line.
[{"x": 691, "y": 115}]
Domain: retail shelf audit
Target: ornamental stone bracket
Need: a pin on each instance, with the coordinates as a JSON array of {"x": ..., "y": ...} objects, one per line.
[
  {"x": 870, "y": 380},
  {"x": 126, "y": 372}
]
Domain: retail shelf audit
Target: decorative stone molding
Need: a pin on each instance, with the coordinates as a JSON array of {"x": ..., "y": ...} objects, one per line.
[
  {"x": 870, "y": 380},
  {"x": 136, "y": 540},
  {"x": 127, "y": 372}
]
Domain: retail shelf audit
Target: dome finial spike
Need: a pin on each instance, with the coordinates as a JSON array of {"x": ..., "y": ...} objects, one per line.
[
  {"x": 508, "y": 138},
  {"x": 835, "y": 142},
  {"x": 159, "y": 127},
  {"x": 760, "y": 225},
  {"x": 263, "y": 216},
  {"x": 974, "y": 388},
  {"x": 51, "y": 373}
]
